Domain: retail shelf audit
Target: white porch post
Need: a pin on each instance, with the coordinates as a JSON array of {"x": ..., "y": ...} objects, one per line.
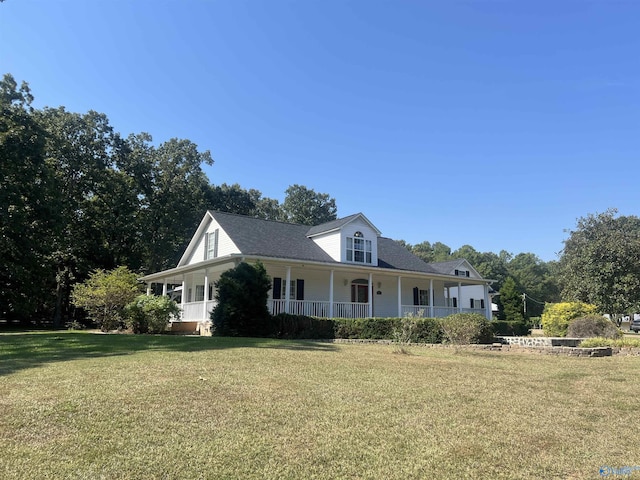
[
  {"x": 331, "y": 295},
  {"x": 459, "y": 297},
  {"x": 370, "y": 295},
  {"x": 183, "y": 294},
  {"x": 164, "y": 288},
  {"x": 287, "y": 290},
  {"x": 148, "y": 289},
  {"x": 431, "y": 308},
  {"x": 399, "y": 296},
  {"x": 487, "y": 303},
  {"x": 206, "y": 294}
]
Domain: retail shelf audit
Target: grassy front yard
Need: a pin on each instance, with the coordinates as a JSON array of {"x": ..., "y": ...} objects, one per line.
[{"x": 90, "y": 406}]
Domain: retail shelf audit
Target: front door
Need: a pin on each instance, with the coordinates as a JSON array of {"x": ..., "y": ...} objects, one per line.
[{"x": 359, "y": 293}]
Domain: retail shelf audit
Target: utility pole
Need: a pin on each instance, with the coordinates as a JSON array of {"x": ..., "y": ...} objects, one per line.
[{"x": 524, "y": 302}]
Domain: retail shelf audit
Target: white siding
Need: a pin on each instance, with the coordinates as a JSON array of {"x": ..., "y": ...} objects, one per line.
[
  {"x": 368, "y": 233},
  {"x": 225, "y": 244},
  {"x": 330, "y": 243},
  {"x": 467, "y": 293}
]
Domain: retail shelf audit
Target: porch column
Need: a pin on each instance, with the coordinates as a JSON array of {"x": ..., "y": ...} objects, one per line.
[
  {"x": 206, "y": 294},
  {"x": 183, "y": 294},
  {"x": 459, "y": 297},
  {"x": 487, "y": 303},
  {"x": 370, "y": 295},
  {"x": 164, "y": 288},
  {"x": 331, "y": 295},
  {"x": 287, "y": 291},
  {"x": 399, "y": 296},
  {"x": 148, "y": 289},
  {"x": 431, "y": 307}
]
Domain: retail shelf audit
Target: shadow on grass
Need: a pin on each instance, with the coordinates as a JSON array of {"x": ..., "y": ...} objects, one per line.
[{"x": 23, "y": 350}]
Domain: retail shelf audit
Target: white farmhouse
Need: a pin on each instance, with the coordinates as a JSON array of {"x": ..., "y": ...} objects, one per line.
[{"x": 343, "y": 268}]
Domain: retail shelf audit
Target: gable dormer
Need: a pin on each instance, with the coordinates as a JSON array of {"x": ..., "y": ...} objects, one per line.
[
  {"x": 352, "y": 239},
  {"x": 460, "y": 268}
]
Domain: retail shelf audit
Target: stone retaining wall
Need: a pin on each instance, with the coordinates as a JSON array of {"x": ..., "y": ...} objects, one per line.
[
  {"x": 539, "y": 348},
  {"x": 541, "y": 341}
]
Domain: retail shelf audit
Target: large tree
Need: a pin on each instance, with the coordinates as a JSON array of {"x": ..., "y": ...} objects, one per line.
[
  {"x": 235, "y": 199},
  {"x": 173, "y": 192},
  {"x": 26, "y": 203},
  {"x": 79, "y": 153},
  {"x": 510, "y": 302},
  {"x": 600, "y": 262},
  {"x": 534, "y": 277},
  {"x": 304, "y": 206}
]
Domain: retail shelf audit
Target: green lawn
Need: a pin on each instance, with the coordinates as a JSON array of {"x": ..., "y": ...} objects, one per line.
[{"x": 91, "y": 406}]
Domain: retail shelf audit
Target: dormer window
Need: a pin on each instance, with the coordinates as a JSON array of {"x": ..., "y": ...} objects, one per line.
[{"x": 358, "y": 249}]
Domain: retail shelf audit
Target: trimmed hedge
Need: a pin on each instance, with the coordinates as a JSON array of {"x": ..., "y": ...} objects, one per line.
[
  {"x": 514, "y": 329},
  {"x": 285, "y": 325},
  {"x": 424, "y": 330}
]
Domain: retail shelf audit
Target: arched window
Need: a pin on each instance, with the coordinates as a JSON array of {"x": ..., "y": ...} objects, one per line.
[{"x": 358, "y": 249}]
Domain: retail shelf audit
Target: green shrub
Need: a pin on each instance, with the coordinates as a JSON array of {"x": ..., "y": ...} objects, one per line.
[
  {"x": 104, "y": 296},
  {"x": 241, "y": 295},
  {"x": 285, "y": 325},
  {"x": 378, "y": 328},
  {"x": 151, "y": 314},
  {"x": 592, "y": 326},
  {"x": 516, "y": 329},
  {"x": 426, "y": 330},
  {"x": 534, "y": 322},
  {"x": 610, "y": 342},
  {"x": 466, "y": 328},
  {"x": 557, "y": 316}
]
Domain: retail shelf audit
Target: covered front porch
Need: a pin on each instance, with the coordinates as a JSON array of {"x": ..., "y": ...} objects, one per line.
[{"x": 329, "y": 291}]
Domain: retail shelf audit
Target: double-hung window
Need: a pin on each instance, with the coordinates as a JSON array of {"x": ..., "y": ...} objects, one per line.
[
  {"x": 358, "y": 249},
  {"x": 211, "y": 244},
  {"x": 296, "y": 289}
]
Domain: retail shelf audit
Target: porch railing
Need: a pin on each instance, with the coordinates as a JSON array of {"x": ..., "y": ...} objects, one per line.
[
  {"x": 300, "y": 307},
  {"x": 194, "y": 311},
  {"x": 320, "y": 308}
]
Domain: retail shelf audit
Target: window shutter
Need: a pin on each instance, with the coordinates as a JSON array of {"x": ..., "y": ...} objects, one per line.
[
  {"x": 416, "y": 296},
  {"x": 277, "y": 288},
  {"x": 215, "y": 242},
  {"x": 472, "y": 303},
  {"x": 467, "y": 273},
  {"x": 455, "y": 302},
  {"x": 481, "y": 303},
  {"x": 456, "y": 272},
  {"x": 206, "y": 245},
  {"x": 300, "y": 289}
]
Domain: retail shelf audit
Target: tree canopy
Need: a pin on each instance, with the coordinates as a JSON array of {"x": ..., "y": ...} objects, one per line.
[
  {"x": 76, "y": 196},
  {"x": 304, "y": 206},
  {"x": 600, "y": 262}
]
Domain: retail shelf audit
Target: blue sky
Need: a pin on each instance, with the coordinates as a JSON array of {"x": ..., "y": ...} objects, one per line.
[{"x": 490, "y": 123}]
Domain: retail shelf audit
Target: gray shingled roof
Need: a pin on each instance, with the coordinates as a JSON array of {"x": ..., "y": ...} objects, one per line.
[
  {"x": 446, "y": 268},
  {"x": 329, "y": 226},
  {"x": 266, "y": 238}
]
